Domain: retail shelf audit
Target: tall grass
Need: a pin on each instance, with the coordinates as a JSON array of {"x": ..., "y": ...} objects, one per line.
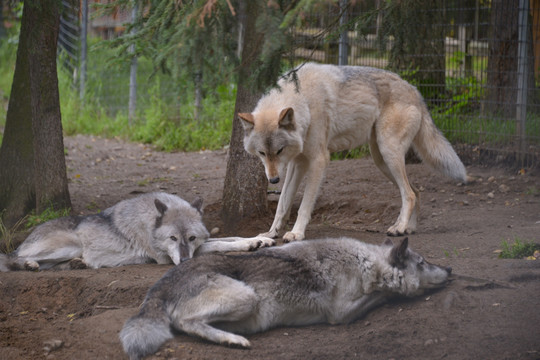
[
  {"x": 165, "y": 107},
  {"x": 8, "y": 53},
  {"x": 165, "y": 104}
]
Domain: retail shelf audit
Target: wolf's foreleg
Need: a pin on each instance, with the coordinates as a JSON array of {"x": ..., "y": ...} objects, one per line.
[
  {"x": 296, "y": 170},
  {"x": 314, "y": 178},
  {"x": 234, "y": 244},
  {"x": 348, "y": 311}
]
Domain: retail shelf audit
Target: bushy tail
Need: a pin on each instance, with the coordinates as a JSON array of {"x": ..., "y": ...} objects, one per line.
[
  {"x": 433, "y": 148},
  {"x": 144, "y": 333},
  {"x": 10, "y": 262}
]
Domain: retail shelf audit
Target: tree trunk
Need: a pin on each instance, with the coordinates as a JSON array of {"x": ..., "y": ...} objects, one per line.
[
  {"x": 417, "y": 29},
  {"x": 501, "y": 93},
  {"x": 32, "y": 162},
  {"x": 502, "y": 58},
  {"x": 245, "y": 190}
]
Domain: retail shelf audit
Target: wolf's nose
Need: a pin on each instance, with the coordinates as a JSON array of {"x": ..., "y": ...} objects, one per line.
[
  {"x": 274, "y": 180},
  {"x": 448, "y": 270}
]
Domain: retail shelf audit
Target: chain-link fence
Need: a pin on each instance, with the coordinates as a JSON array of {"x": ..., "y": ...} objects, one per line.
[{"x": 476, "y": 62}]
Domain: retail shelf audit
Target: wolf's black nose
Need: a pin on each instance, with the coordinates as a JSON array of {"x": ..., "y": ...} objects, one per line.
[
  {"x": 448, "y": 270},
  {"x": 274, "y": 180}
]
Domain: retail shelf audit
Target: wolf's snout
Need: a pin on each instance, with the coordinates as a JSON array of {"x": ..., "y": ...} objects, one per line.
[
  {"x": 448, "y": 270},
  {"x": 274, "y": 180}
]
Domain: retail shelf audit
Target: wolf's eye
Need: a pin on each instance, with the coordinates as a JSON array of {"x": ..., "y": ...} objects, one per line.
[
  {"x": 262, "y": 153},
  {"x": 192, "y": 238},
  {"x": 173, "y": 238},
  {"x": 279, "y": 151}
]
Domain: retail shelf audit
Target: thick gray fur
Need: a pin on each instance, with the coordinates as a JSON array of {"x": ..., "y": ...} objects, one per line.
[
  {"x": 154, "y": 227},
  {"x": 218, "y": 296}
]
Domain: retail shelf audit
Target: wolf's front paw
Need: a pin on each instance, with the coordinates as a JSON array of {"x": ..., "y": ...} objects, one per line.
[
  {"x": 260, "y": 242},
  {"x": 266, "y": 241},
  {"x": 270, "y": 234},
  {"x": 292, "y": 236},
  {"x": 399, "y": 230}
]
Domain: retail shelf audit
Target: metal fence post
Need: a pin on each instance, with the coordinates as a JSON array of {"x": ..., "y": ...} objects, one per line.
[
  {"x": 343, "y": 35},
  {"x": 84, "y": 48},
  {"x": 522, "y": 73},
  {"x": 132, "y": 107}
]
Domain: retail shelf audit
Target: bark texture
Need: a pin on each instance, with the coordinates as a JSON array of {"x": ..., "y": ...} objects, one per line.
[
  {"x": 244, "y": 193},
  {"x": 32, "y": 162}
]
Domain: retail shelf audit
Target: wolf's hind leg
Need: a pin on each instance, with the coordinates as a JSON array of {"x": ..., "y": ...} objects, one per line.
[
  {"x": 381, "y": 165},
  {"x": 208, "y": 332},
  {"x": 224, "y": 300},
  {"x": 388, "y": 148},
  {"x": 47, "y": 252}
]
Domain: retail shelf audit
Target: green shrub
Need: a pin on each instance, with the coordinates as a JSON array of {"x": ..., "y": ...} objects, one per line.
[{"x": 518, "y": 250}]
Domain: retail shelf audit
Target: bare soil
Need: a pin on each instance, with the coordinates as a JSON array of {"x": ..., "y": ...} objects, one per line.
[{"x": 491, "y": 310}]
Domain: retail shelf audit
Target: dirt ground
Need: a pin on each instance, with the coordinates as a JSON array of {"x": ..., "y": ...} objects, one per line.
[{"x": 491, "y": 310}]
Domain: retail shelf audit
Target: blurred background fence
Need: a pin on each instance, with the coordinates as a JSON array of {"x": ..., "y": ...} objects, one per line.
[{"x": 476, "y": 62}]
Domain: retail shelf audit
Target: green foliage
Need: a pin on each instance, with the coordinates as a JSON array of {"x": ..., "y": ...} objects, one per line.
[
  {"x": 48, "y": 214},
  {"x": 8, "y": 53},
  {"x": 178, "y": 37},
  {"x": 165, "y": 107},
  {"x": 462, "y": 95},
  {"x": 518, "y": 250},
  {"x": 356, "y": 153},
  {"x": 211, "y": 131}
]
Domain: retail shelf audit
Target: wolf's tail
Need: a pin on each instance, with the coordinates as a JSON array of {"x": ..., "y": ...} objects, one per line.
[
  {"x": 10, "y": 262},
  {"x": 144, "y": 333},
  {"x": 433, "y": 148}
]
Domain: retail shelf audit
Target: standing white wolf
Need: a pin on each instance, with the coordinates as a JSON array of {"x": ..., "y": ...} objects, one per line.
[
  {"x": 330, "y": 108},
  {"x": 332, "y": 281},
  {"x": 154, "y": 227}
]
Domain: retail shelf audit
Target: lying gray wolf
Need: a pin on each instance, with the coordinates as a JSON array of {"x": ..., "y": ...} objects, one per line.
[
  {"x": 155, "y": 227},
  {"x": 332, "y": 108},
  {"x": 332, "y": 281}
]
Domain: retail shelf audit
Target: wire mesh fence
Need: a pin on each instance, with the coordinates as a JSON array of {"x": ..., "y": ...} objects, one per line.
[{"x": 476, "y": 62}]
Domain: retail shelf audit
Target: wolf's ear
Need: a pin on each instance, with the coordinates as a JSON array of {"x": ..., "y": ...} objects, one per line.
[
  {"x": 388, "y": 242},
  {"x": 398, "y": 254},
  {"x": 248, "y": 121},
  {"x": 161, "y": 207},
  {"x": 286, "y": 119},
  {"x": 197, "y": 204}
]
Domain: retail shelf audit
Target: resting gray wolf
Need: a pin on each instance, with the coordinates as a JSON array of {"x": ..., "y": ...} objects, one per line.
[
  {"x": 155, "y": 227},
  {"x": 330, "y": 108},
  {"x": 332, "y": 281}
]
